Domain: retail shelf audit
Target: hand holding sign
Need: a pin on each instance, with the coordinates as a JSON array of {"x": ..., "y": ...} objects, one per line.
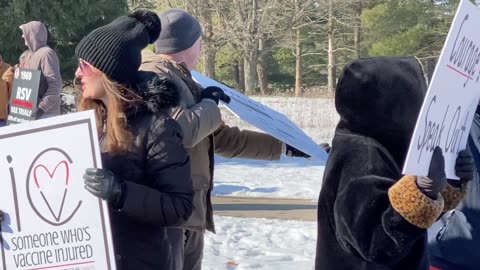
[
  {"x": 436, "y": 180},
  {"x": 216, "y": 94},
  {"x": 450, "y": 103},
  {"x": 294, "y": 152},
  {"x": 464, "y": 168},
  {"x": 264, "y": 118},
  {"x": 103, "y": 184}
]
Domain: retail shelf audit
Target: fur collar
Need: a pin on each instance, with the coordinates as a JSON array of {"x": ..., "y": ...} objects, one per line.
[{"x": 157, "y": 94}]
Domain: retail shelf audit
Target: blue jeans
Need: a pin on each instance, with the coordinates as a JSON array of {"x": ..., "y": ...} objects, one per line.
[{"x": 3, "y": 123}]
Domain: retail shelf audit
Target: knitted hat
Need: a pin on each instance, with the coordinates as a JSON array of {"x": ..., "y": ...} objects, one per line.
[
  {"x": 115, "y": 49},
  {"x": 180, "y": 31}
]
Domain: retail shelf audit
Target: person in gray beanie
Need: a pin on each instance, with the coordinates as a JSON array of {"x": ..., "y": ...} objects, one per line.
[{"x": 177, "y": 51}]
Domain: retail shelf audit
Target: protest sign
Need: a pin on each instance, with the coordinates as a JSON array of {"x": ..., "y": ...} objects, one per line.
[
  {"x": 23, "y": 101},
  {"x": 51, "y": 221},
  {"x": 265, "y": 118},
  {"x": 450, "y": 103}
]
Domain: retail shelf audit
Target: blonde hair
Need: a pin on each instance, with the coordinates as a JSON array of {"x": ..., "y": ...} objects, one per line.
[{"x": 111, "y": 120}]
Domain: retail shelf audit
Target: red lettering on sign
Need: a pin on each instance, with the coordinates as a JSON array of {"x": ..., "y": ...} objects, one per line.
[{"x": 22, "y": 103}]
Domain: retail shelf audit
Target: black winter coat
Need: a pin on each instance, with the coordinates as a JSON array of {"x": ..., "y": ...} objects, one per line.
[
  {"x": 158, "y": 185},
  {"x": 378, "y": 100}
]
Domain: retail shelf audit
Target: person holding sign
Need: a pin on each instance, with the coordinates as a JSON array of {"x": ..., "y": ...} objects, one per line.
[
  {"x": 370, "y": 216},
  {"x": 146, "y": 176},
  {"x": 42, "y": 57},
  {"x": 177, "y": 53}
]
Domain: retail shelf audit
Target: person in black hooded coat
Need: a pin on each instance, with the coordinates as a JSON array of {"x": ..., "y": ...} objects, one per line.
[
  {"x": 146, "y": 171},
  {"x": 370, "y": 216}
]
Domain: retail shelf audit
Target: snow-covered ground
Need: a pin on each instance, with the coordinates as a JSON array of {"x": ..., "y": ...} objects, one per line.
[
  {"x": 288, "y": 178},
  {"x": 260, "y": 244}
]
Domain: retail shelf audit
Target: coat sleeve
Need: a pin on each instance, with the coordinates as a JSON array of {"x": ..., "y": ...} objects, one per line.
[
  {"x": 50, "y": 67},
  {"x": 198, "y": 121},
  {"x": 169, "y": 201},
  {"x": 232, "y": 142},
  {"x": 376, "y": 216}
]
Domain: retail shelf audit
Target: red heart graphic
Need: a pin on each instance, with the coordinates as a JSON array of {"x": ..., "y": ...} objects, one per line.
[{"x": 64, "y": 162}]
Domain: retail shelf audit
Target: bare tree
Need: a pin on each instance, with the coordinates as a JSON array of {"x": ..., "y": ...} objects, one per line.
[
  {"x": 357, "y": 37},
  {"x": 332, "y": 61},
  {"x": 251, "y": 25},
  {"x": 306, "y": 15},
  {"x": 341, "y": 20}
]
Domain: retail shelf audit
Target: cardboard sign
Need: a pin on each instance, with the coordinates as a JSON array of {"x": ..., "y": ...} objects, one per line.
[
  {"x": 449, "y": 106},
  {"x": 266, "y": 119},
  {"x": 51, "y": 221},
  {"x": 23, "y": 102}
]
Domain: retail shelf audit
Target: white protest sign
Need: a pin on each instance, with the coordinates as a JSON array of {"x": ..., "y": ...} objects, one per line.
[
  {"x": 265, "y": 118},
  {"x": 51, "y": 221},
  {"x": 449, "y": 106}
]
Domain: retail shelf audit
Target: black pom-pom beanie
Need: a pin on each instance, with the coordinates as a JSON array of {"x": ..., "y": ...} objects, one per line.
[{"x": 115, "y": 49}]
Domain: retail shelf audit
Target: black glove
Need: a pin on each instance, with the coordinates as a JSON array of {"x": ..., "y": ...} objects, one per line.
[
  {"x": 1, "y": 216},
  {"x": 294, "y": 152},
  {"x": 216, "y": 94},
  {"x": 437, "y": 180},
  {"x": 326, "y": 147},
  {"x": 464, "y": 168},
  {"x": 103, "y": 184}
]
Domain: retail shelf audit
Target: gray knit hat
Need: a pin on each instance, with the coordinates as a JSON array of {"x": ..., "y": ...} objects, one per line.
[{"x": 180, "y": 30}]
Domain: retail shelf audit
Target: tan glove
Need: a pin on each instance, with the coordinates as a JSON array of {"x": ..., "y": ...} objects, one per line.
[{"x": 8, "y": 75}]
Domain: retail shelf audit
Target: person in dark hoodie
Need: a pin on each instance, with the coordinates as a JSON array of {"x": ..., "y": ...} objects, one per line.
[
  {"x": 454, "y": 239},
  {"x": 42, "y": 57},
  {"x": 370, "y": 216},
  {"x": 146, "y": 170}
]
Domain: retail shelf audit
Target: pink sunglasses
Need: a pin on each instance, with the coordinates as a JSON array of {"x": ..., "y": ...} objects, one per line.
[{"x": 85, "y": 67}]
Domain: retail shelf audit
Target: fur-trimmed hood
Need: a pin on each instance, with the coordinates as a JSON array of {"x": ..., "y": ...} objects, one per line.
[{"x": 157, "y": 94}]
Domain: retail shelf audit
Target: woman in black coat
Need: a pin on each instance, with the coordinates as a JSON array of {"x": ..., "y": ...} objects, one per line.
[
  {"x": 370, "y": 216},
  {"x": 146, "y": 171}
]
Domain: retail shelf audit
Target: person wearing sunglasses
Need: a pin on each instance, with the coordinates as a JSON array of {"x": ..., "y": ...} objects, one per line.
[{"x": 146, "y": 170}]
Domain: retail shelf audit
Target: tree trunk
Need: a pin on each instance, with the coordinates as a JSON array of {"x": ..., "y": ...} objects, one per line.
[
  {"x": 298, "y": 65},
  {"x": 208, "y": 46},
  {"x": 208, "y": 63},
  {"x": 332, "y": 65},
  {"x": 241, "y": 75},
  {"x": 249, "y": 65},
  {"x": 262, "y": 76},
  {"x": 236, "y": 75},
  {"x": 357, "y": 34}
]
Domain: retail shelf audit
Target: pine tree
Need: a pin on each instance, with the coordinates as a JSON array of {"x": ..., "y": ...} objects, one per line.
[{"x": 68, "y": 21}]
